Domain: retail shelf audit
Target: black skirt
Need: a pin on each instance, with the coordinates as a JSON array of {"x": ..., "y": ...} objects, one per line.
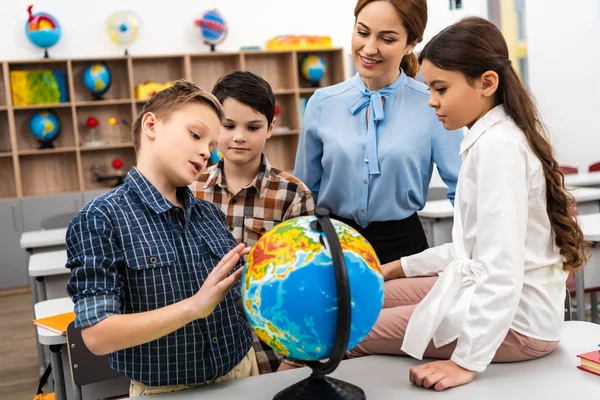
[{"x": 393, "y": 239}]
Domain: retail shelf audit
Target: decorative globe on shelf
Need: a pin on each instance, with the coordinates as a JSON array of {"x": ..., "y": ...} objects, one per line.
[
  {"x": 212, "y": 28},
  {"x": 97, "y": 79},
  {"x": 42, "y": 29},
  {"x": 123, "y": 27},
  {"x": 313, "y": 68},
  {"x": 45, "y": 127},
  {"x": 289, "y": 288}
]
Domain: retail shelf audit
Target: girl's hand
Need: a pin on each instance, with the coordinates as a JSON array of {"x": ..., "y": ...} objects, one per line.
[{"x": 440, "y": 375}]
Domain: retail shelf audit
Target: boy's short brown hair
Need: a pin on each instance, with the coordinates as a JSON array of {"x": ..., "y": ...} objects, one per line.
[{"x": 167, "y": 100}]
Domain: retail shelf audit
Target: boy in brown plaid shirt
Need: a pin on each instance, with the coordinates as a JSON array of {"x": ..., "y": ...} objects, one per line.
[{"x": 253, "y": 195}]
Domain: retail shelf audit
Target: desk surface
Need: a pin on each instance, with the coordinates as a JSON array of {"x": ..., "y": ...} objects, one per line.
[
  {"x": 46, "y": 309},
  {"x": 590, "y": 225},
  {"x": 385, "y": 377},
  {"x": 583, "y": 179},
  {"x": 48, "y": 263},
  {"x": 43, "y": 238},
  {"x": 444, "y": 209}
]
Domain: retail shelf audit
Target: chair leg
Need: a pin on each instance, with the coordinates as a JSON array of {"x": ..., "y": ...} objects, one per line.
[
  {"x": 77, "y": 390},
  {"x": 594, "y": 311}
]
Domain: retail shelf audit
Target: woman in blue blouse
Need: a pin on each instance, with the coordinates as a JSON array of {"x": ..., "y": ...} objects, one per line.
[{"x": 368, "y": 144}]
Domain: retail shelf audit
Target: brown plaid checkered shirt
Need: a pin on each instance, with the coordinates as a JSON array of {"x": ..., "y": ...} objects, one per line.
[{"x": 272, "y": 197}]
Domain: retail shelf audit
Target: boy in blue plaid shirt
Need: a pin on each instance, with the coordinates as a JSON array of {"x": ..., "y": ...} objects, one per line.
[{"x": 151, "y": 264}]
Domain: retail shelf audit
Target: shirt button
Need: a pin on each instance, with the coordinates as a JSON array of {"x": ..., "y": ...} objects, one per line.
[
  {"x": 214, "y": 340},
  {"x": 362, "y": 211},
  {"x": 231, "y": 228},
  {"x": 262, "y": 229},
  {"x": 366, "y": 160},
  {"x": 153, "y": 260},
  {"x": 233, "y": 201},
  {"x": 188, "y": 230},
  {"x": 365, "y": 181},
  {"x": 199, "y": 265}
]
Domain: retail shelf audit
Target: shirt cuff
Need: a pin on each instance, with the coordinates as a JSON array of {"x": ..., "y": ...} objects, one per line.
[
  {"x": 405, "y": 265},
  {"x": 467, "y": 365},
  {"x": 93, "y": 309}
]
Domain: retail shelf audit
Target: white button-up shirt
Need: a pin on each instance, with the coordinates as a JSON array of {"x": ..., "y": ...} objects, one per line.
[{"x": 503, "y": 270}]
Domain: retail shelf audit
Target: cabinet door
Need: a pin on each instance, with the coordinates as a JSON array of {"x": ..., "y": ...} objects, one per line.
[
  {"x": 49, "y": 212},
  {"x": 13, "y": 264}
]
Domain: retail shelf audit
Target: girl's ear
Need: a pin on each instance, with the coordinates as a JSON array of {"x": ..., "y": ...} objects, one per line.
[{"x": 489, "y": 83}]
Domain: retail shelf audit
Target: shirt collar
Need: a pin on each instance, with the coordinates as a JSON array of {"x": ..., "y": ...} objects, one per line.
[
  {"x": 150, "y": 196},
  {"x": 396, "y": 85},
  {"x": 491, "y": 118},
  {"x": 260, "y": 181}
]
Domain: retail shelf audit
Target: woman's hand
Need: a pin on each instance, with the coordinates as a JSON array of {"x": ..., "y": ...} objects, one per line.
[
  {"x": 392, "y": 270},
  {"x": 440, "y": 375}
]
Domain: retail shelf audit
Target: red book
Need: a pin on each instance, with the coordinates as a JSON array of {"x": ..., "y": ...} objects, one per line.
[{"x": 590, "y": 362}]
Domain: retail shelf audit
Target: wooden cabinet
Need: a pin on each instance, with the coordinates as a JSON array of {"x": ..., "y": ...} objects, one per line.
[
  {"x": 13, "y": 263},
  {"x": 30, "y": 171}
]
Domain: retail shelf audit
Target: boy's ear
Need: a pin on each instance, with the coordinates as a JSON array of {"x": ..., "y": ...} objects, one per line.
[
  {"x": 271, "y": 127},
  {"x": 148, "y": 125},
  {"x": 489, "y": 83}
]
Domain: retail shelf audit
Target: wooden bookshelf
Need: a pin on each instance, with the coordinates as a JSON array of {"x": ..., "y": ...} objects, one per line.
[{"x": 29, "y": 171}]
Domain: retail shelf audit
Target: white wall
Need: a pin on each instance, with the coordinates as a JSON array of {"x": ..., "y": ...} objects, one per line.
[
  {"x": 564, "y": 59},
  {"x": 169, "y": 28}
]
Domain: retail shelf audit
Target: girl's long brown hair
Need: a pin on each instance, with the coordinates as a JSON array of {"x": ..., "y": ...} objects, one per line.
[{"x": 473, "y": 46}]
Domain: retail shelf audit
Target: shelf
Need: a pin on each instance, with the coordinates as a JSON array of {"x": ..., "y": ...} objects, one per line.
[
  {"x": 104, "y": 159},
  {"x": 286, "y": 133},
  {"x": 56, "y": 150},
  {"x": 3, "y": 108},
  {"x": 284, "y": 91},
  {"x": 276, "y": 68},
  {"x": 8, "y": 187},
  {"x": 119, "y": 87},
  {"x": 26, "y": 141},
  {"x": 332, "y": 75},
  {"x": 4, "y": 154},
  {"x": 308, "y": 90},
  {"x": 5, "y": 145},
  {"x": 281, "y": 150},
  {"x": 42, "y": 106},
  {"x": 160, "y": 70},
  {"x": 99, "y": 103},
  {"x": 207, "y": 70},
  {"x": 46, "y": 174},
  {"x": 288, "y": 112},
  {"x": 117, "y": 133},
  {"x": 106, "y": 147}
]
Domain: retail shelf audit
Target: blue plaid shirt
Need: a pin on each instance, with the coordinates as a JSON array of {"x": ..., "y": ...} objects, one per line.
[{"x": 130, "y": 251}]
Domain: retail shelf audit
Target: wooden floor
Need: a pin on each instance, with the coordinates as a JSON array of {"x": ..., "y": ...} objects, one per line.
[{"x": 18, "y": 352}]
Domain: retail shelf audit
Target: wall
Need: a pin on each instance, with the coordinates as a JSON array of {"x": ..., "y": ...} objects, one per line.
[{"x": 564, "y": 57}]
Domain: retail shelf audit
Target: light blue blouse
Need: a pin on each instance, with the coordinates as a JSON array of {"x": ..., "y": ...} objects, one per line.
[{"x": 378, "y": 170}]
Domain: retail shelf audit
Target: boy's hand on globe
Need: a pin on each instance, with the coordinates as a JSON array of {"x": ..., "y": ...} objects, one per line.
[{"x": 218, "y": 283}]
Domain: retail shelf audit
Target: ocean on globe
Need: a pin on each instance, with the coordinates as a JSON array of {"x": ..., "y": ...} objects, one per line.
[
  {"x": 42, "y": 29},
  {"x": 313, "y": 68},
  {"x": 289, "y": 290},
  {"x": 212, "y": 27},
  {"x": 97, "y": 79},
  {"x": 44, "y": 126},
  {"x": 215, "y": 157}
]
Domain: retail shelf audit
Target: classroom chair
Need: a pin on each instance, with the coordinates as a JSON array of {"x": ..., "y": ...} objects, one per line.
[
  {"x": 594, "y": 167},
  {"x": 567, "y": 170},
  {"x": 88, "y": 368}
]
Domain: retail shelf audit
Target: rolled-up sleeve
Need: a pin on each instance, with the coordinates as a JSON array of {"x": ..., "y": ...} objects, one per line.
[{"x": 93, "y": 255}]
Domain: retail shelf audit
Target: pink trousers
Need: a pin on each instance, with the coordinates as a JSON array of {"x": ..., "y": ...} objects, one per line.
[{"x": 401, "y": 298}]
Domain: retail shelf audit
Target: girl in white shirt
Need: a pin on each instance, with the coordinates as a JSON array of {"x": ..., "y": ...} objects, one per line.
[{"x": 501, "y": 287}]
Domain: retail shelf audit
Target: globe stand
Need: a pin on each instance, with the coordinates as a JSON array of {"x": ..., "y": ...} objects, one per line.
[
  {"x": 318, "y": 385},
  {"x": 46, "y": 53},
  {"x": 45, "y": 144}
]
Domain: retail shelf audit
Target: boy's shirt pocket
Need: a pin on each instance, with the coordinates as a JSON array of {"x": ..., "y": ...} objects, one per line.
[{"x": 254, "y": 228}]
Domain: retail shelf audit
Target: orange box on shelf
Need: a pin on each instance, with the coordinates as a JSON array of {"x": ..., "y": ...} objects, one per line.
[{"x": 299, "y": 42}]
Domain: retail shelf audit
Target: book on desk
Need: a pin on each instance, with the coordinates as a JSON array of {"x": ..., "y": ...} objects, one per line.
[
  {"x": 56, "y": 323},
  {"x": 590, "y": 362}
]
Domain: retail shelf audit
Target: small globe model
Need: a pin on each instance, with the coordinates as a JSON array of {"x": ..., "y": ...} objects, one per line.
[
  {"x": 45, "y": 127},
  {"x": 123, "y": 27},
  {"x": 97, "y": 79},
  {"x": 215, "y": 157},
  {"x": 42, "y": 29},
  {"x": 289, "y": 291},
  {"x": 313, "y": 68},
  {"x": 212, "y": 27}
]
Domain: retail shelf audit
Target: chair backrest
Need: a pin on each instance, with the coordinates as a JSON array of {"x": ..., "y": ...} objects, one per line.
[
  {"x": 57, "y": 221},
  {"x": 594, "y": 167},
  {"x": 86, "y": 367},
  {"x": 437, "y": 193},
  {"x": 568, "y": 306},
  {"x": 567, "y": 170}
]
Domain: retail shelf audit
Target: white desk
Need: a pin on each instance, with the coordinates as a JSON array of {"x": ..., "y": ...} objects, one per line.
[
  {"x": 49, "y": 274},
  {"x": 386, "y": 377},
  {"x": 37, "y": 241},
  {"x": 590, "y": 179},
  {"x": 437, "y": 216}
]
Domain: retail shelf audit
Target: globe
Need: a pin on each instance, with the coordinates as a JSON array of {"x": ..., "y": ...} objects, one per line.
[
  {"x": 45, "y": 127},
  {"x": 212, "y": 28},
  {"x": 313, "y": 68},
  {"x": 123, "y": 27},
  {"x": 97, "y": 79},
  {"x": 289, "y": 290},
  {"x": 42, "y": 29},
  {"x": 215, "y": 157}
]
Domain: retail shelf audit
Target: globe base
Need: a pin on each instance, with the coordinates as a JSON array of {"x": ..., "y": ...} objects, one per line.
[
  {"x": 321, "y": 387},
  {"x": 45, "y": 144}
]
